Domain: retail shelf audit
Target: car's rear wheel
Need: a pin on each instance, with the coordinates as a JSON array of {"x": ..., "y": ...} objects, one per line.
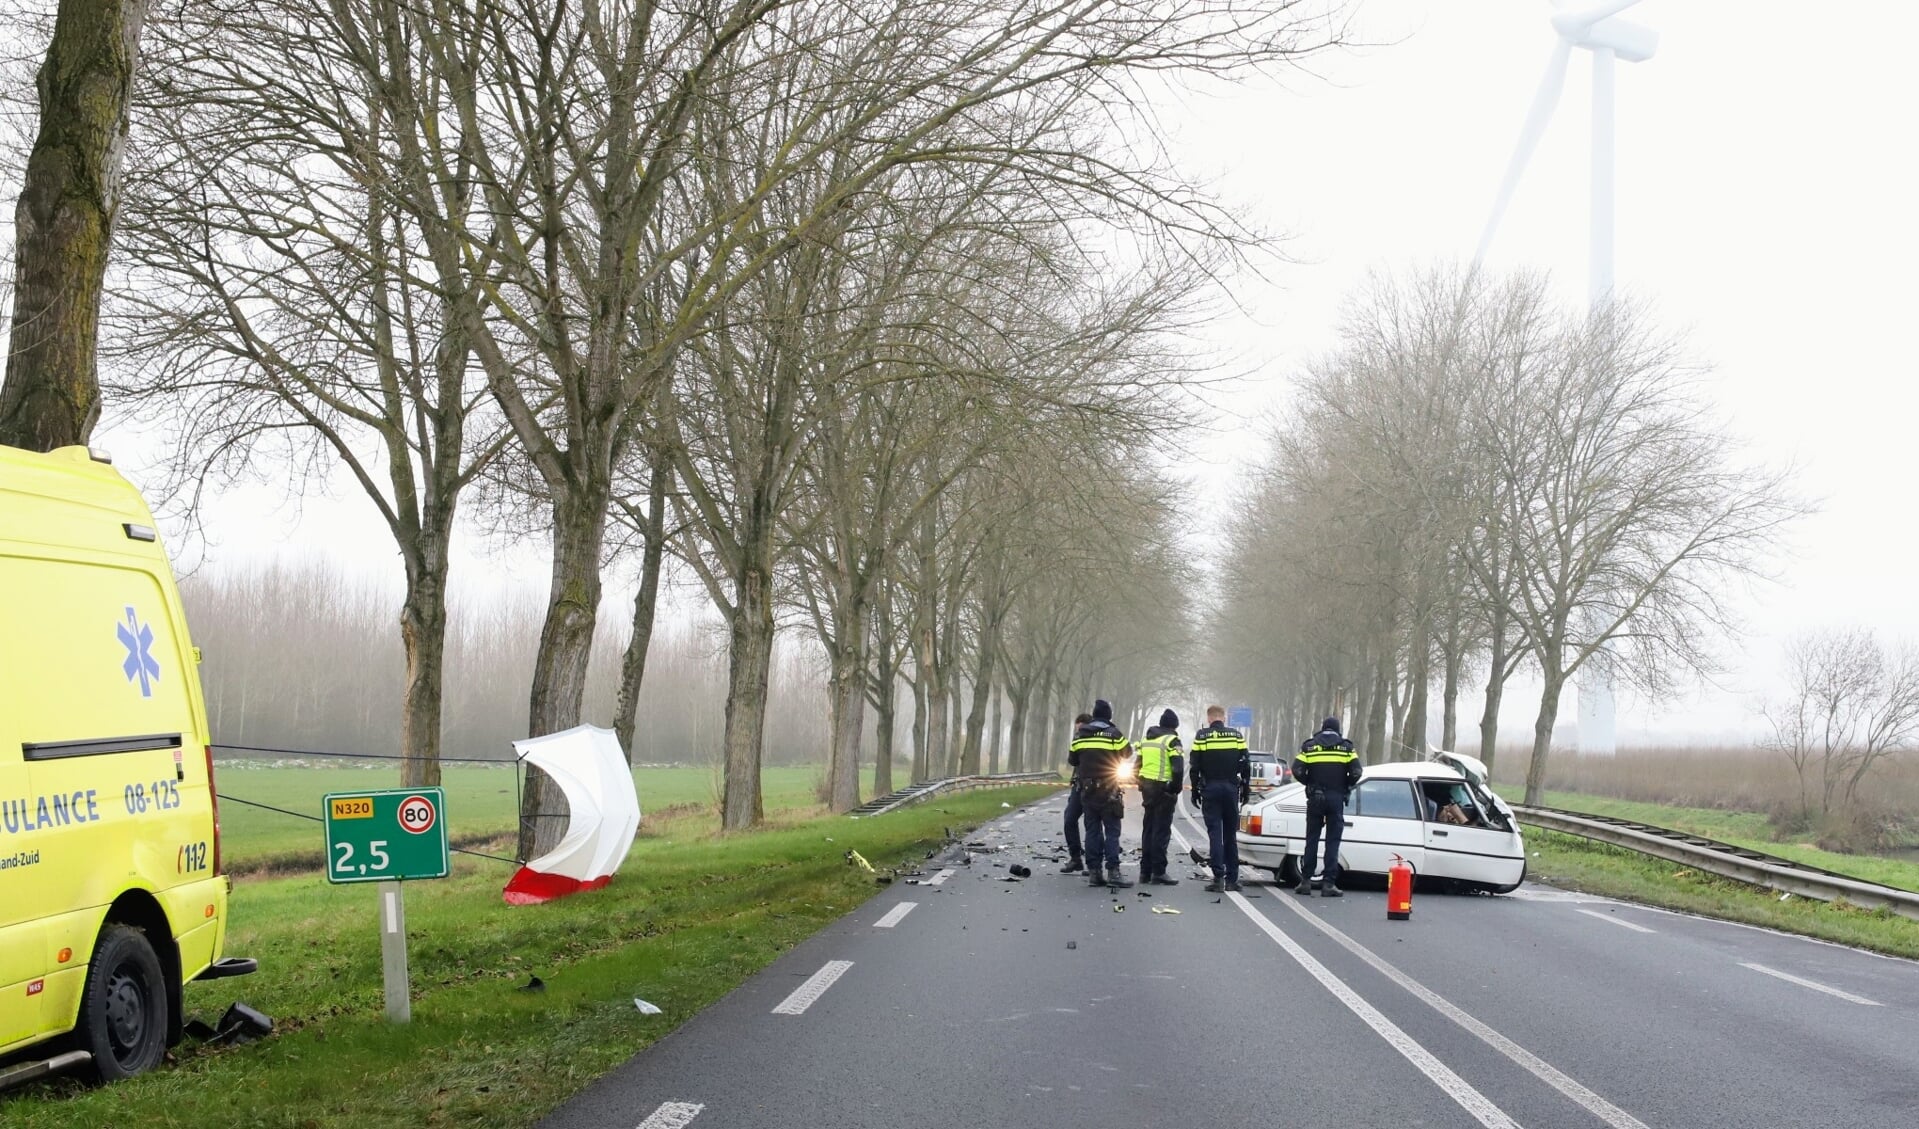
[
  {"x": 1288, "y": 872},
  {"x": 123, "y": 1007}
]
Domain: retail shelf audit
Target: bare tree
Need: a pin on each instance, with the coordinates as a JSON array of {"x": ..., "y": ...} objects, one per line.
[{"x": 1849, "y": 704}]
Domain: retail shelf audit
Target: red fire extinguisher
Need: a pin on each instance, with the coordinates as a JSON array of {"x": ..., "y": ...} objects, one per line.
[{"x": 1399, "y": 890}]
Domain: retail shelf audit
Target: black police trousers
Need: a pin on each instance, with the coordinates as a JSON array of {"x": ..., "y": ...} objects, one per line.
[
  {"x": 1157, "y": 800},
  {"x": 1222, "y": 827},
  {"x": 1327, "y": 809},
  {"x": 1073, "y": 813}
]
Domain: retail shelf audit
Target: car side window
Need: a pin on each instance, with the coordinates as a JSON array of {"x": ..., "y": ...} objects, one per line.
[{"x": 1386, "y": 799}]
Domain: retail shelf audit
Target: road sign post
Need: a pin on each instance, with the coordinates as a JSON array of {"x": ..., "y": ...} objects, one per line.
[{"x": 387, "y": 837}]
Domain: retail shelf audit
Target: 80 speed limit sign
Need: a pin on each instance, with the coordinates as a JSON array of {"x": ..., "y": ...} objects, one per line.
[{"x": 418, "y": 814}]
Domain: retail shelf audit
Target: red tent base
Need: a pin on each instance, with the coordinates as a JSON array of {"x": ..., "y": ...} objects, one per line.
[{"x": 532, "y": 887}]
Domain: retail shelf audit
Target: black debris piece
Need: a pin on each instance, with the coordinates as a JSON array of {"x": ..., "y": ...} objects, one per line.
[{"x": 533, "y": 984}]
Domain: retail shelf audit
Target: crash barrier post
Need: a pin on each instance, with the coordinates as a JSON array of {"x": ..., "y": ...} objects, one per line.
[{"x": 1724, "y": 859}]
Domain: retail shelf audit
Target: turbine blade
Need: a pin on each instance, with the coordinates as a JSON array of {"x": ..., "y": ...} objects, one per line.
[{"x": 1541, "y": 113}]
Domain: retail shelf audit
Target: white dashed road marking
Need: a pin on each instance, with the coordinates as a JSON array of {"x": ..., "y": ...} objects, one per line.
[
  {"x": 1541, "y": 1069},
  {"x": 815, "y": 987},
  {"x": 940, "y": 878},
  {"x": 672, "y": 1115},
  {"x": 1457, "y": 1088},
  {"x": 895, "y": 915},
  {"x": 1619, "y": 921},
  {"x": 1815, "y": 986}
]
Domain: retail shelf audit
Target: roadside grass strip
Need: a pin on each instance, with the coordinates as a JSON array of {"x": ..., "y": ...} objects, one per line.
[
  {"x": 1539, "y": 1068},
  {"x": 1471, "y": 1100},
  {"x": 1573, "y": 863},
  {"x": 687, "y": 920}
]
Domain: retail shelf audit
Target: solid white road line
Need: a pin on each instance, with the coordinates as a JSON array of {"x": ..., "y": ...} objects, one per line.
[
  {"x": 1817, "y": 987},
  {"x": 672, "y": 1115},
  {"x": 1619, "y": 921},
  {"x": 1538, "y": 1067},
  {"x": 940, "y": 878},
  {"x": 894, "y": 915},
  {"x": 815, "y": 987},
  {"x": 1457, "y": 1088}
]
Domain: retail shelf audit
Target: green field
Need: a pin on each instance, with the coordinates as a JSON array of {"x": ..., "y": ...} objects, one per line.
[
  {"x": 480, "y": 802},
  {"x": 1745, "y": 829},
  {"x": 691, "y": 914}
]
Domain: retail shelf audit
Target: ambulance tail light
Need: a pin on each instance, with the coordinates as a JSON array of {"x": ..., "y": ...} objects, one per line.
[{"x": 213, "y": 797}]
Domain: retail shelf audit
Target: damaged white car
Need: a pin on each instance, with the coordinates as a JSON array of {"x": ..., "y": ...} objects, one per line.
[{"x": 1439, "y": 815}]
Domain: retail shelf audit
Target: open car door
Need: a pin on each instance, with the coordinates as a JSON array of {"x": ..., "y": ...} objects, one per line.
[{"x": 1477, "y": 783}]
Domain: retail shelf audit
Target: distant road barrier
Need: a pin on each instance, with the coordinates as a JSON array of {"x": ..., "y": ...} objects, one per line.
[
  {"x": 1724, "y": 859},
  {"x": 926, "y": 790}
]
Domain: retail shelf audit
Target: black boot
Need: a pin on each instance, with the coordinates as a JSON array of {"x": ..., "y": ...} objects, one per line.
[
  {"x": 1328, "y": 890},
  {"x": 1217, "y": 885},
  {"x": 1232, "y": 886},
  {"x": 1095, "y": 876},
  {"x": 1073, "y": 866},
  {"x": 1117, "y": 880},
  {"x": 1161, "y": 879}
]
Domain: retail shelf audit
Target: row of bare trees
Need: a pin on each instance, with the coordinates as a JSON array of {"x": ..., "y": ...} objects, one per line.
[
  {"x": 1850, "y": 702},
  {"x": 1479, "y": 481},
  {"x": 863, "y": 315}
]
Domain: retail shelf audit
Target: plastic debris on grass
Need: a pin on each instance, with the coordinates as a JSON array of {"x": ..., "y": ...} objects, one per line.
[{"x": 645, "y": 1008}]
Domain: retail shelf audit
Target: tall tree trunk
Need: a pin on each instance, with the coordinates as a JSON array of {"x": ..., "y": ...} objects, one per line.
[
  {"x": 1419, "y": 671},
  {"x": 1543, "y": 727},
  {"x": 566, "y": 646},
  {"x": 423, "y": 636},
  {"x": 921, "y": 756},
  {"x": 63, "y": 224},
  {"x": 1382, "y": 701},
  {"x": 1017, "y": 699},
  {"x": 993, "y": 733},
  {"x": 1495, "y": 691},
  {"x": 847, "y": 687},
  {"x": 645, "y": 602},
  {"x": 1359, "y": 731},
  {"x": 983, "y": 686},
  {"x": 884, "y": 715},
  {"x": 1449, "y": 724},
  {"x": 749, "y": 668}
]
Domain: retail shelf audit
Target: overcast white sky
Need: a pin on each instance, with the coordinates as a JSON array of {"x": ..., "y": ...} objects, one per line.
[{"x": 1766, "y": 192}]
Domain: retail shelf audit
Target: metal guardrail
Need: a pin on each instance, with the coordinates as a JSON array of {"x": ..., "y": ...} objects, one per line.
[
  {"x": 928, "y": 789},
  {"x": 1724, "y": 859}
]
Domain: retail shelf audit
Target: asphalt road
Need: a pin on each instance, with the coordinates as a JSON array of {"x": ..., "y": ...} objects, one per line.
[{"x": 1047, "y": 1003}]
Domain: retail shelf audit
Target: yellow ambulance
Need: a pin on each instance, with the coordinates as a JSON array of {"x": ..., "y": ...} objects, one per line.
[{"x": 111, "y": 892}]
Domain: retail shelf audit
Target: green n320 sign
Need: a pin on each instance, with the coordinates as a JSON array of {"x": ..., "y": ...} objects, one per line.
[{"x": 385, "y": 836}]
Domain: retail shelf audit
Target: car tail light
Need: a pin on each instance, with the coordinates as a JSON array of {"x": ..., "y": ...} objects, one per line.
[
  {"x": 1253, "y": 825},
  {"x": 213, "y": 797}
]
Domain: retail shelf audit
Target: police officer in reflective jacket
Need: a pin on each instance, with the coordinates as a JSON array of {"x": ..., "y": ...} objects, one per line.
[
  {"x": 1101, "y": 749},
  {"x": 1161, "y": 772},
  {"x": 1329, "y": 769},
  {"x": 1223, "y": 775}
]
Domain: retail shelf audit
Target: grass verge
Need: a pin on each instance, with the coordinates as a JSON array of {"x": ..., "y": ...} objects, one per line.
[
  {"x": 1574, "y": 863},
  {"x": 481, "y": 803},
  {"x": 691, "y": 916},
  {"x": 1745, "y": 829}
]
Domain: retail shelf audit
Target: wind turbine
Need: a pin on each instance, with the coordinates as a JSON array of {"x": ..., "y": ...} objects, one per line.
[{"x": 1596, "y": 28}]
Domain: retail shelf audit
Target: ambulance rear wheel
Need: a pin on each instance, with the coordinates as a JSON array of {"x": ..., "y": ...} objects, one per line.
[{"x": 123, "y": 1008}]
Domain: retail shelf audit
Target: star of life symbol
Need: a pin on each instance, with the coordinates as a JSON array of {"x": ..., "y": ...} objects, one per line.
[{"x": 137, "y": 638}]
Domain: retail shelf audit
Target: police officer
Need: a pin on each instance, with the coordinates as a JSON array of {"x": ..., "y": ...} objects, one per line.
[
  {"x": 1101, "y": 749},
  {"x": 1075, "y": 809},
  {"x": 1161, "y": 772},
  {"x": 1223, "y": 775},
  {"x": 1329, "y": 769}
]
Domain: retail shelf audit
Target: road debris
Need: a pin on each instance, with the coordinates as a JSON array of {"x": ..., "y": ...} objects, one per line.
[
  {"x": 645, "y": 1008},
  {"x": 1164, "y": 909},
  {"x": 854, "y": 858}
]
